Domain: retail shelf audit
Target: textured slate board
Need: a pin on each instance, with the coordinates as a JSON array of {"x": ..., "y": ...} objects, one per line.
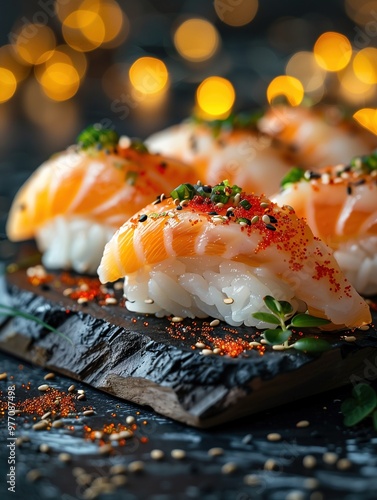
[{"x": 137, "y": 359}]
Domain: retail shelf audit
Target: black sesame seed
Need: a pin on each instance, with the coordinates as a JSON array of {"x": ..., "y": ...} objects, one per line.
[
  {"x": 349, "y": 189},
  {"x": 270, "y": 227},
  {"x": 314, "y": 175},
  {"x": 347, "y": 168},
  {"x": 230, "y": 213},
  {"x": 179, "y": 207},
  {"x": 213, "y": 213},
  {"x": 207, "y": 189},
  {"x": 273, "y": 219},
  {"x": 143, "y": 218}
]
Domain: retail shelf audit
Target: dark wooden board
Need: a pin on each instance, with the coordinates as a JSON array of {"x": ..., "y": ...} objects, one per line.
[{"x": 152, "y": 361}]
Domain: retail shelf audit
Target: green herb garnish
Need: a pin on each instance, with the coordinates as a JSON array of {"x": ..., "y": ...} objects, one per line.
[
  {"x": 221, "y": 193},
  {"x": 365, "y": 164},
  {"x": 296, "y": 174},
  {"x": 12, "y": 312},
  {"x": 363, "y": 404},
  {"x": 282, "y": 314},
  {"x": 233, "y": 121},
  {"x": 97, "y": 136}
]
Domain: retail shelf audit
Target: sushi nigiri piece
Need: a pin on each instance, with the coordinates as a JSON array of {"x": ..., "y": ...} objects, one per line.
[
  {"x": 232, "y": 149},
  {"x": 340, "y": 206},
  {"x": 74, "y": 202},
  {"x": 316, "y": 136},
  {"x": 218, "y": 251}
]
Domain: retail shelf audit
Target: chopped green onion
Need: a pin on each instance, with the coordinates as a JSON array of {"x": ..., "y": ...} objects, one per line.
[
  {"x": 296, "y": 174},
  {"x": 97, "y": 135}
]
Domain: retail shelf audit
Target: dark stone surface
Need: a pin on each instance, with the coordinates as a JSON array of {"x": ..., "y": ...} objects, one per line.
[{"x": 140, "y": 358}]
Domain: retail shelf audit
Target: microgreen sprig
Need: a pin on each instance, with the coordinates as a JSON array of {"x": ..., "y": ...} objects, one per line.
[
  {"x": 365, "y": 164},
  {"x": 221, "y": 193},
  {"x": 361, "y": 405},
  {"x": 282, "y": 314},
  {"x": 12, "y": 312},
  {"x": 295, "y": 174},
  {"x": 97, "y": 136}
]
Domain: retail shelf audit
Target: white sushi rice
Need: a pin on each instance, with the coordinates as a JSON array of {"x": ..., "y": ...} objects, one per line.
[
  {"x": 197, "y": 286},
  {"x": 358, "y": 261},
  {"x": 73, "y": 243}
]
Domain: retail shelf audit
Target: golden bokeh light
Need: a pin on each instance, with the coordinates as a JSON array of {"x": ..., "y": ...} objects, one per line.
[
  {"x": 60, "y": 81},
  {"x": 236, "y": 12},
  {"x": 8, "y": 84},
  {"x": 304, "y": 67},
  {"x": 360, "y": 12},
  {"x": 65, "y": 55},
  {"x": 353, "y": 90},
  {"x": 149, "y": 75},
  {"x": 33, "y": 41},
  {"x": 114, "y": 20},
  {"x": 286, "y": 87},
  {"x": 367, "y": 117},
  {"x": 332, "y": 51},
  {"x": 365, "y": 65},
  {"x": 84, "y": 30},
  {"x": 9, "y": 60},
  {"x": 215, "y": 97},
  {"x": 196, "y": 40}
]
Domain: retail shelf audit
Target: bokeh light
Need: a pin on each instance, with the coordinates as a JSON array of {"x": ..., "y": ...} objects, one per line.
[
  {"x": 286, "y": 87},
  {"x": 367, "y": 117},
  {"x": 365, "y": 65},
  {"x": 304, "y": 67},
  {"x": 196, "y": 40},
  {"x": 8, "y": 84},
  {"x": 353, "y": 90},
  {"x": 60, "y": 81},
  {"x": 332, "y": 51},
  {"x": 149, "y": 75},
  {"x": 33, "y": 41},
  {"x": 9, "y": 60},
  {"x": 236, "y": 13},
  {"x": 360, "y": 12},
  {"x": 215, "y": 97}
]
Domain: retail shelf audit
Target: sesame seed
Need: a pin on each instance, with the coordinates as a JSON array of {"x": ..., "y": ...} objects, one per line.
[
  {"x": 98, "y": 434},
  {"x": 118, "y": 285},
  {"x": 105, "y": 449},
  {"x": 270, "y": 227},
  {"x": 274, "y": 436},
  {"x": 303, "y": 423},
  {"x": 266, "y": 219},
  {"x": 200, "y": 345},
  {"x": 343, "y": 464},
  {"x": 44, "y": 448},
  {"x": 289, "y": 207},
  {"x": 278, "y": 347},
  {"x": 125, "y": 434},
  {"x": 118, "y": 469},
  {"x": 81, "y": 397},
  {"x": 254, "y": 343},
  {"x": 3, "y": 376},
  {"x": 309, "y": 461},
  {"x": 43, "y": 387},
  {"x": 114, "y": 436},
  {"x": 178, "y": 454},
  {"x": 157, "y": 454},
  {"x": 88, "y": 413},
  {"x": 228, "y": 468},
  {"x": 219, "y": 205},
  {"x": 33, "y": 475},
  {"x": 64, "y": 457},
  {"x": 183, "y": 203},
  {"x": 264, "y": 341},
  {"x": 57, "y": 423},
  {"x": 179, "y": 207},
  {"x": 237, "y": 199},
  {"x": 41, "y": 425},
  {"x": 162, "y": 196},
  {"x": 130, "y": 420},
  {"x": 214, "y": 322},
  {"x": 251, "y": 480},
  {"x": 216, "y": 350},
  {"x": 207, "y": 188},
  {"x": 71, "y": 388},
  {"x": 270, "y": 464},
  {"x": 295, "y": 495},
  {"x": 171, "y": 214},
  {"x": 363, "y": 327},
  {"x": 176, "y": 202},
  {"x": 46, "y": 415},
  {"x": 207, "y": 352},
  {"x": 143, "y": 218},
  {"x": 176, "y": 319},
  {"x": 330, "y": 458},
  {"x": 264, "y": 204},
  {"x": 215, "y": 452},
  {"x": 255, "y": 219},
  {"x": 111, "y": 301},
  {"x": 82, "y": 300},
  {"x": 80, "y": 391},
  {"x": 148, "y": 301},
  {"x": 124, "y": 142},
  {"x": 350, "y": 338},
  {"x": 49, "y": 376},
  {"x": 228, "y": 300},
  {"x": 136, "y": 466}
]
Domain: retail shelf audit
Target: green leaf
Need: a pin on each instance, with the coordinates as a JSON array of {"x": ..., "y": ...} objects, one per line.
[
  {"x": 286, "y": 307},
  {"x": 97, "y": 135},
  {"x": 277, "y": 336},
  {"x": 312, "y": 345},
  {"x": 306, "y": 320},
  {"x": 266, "y": 317},
  {"x": 183, "y": 192},
  {"x": 273, "y": 305},
  {"x": 294, "y": 175},
  {"x": 362, "y": 404}
]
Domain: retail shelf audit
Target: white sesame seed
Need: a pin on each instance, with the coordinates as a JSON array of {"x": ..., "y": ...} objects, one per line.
[
  {"x": 200, "y": 345},
  {"x": 303, "y": 423},
  {"x": 64, "y": 457},
  {"x": 130, "y": 420},
  {"x": 176, "y": 319},
  {"x": 264, "y": 204},
  {"x": 228, "y": 468},
  {"x": 44, "y": 448},
  {"x": 118, "y": 469},
  {"x": 105, "y": 449},
  {"x": 148, "y": 301},
  {"x": 57, "y": 424},
  {"x": 98, "y": 434},
  {"x": 136, "y": 466},
  {"x": 309, "y": 461},
  {"x": 343, "y": 464},
  {"x": 49, "y": 376},
  {"x": 71, "y": 388},
  {"x": 114, "y": 436},
  {"x": 124, "y": 142},
  {"x": 118, "y": 285},
  {"x": 46, "y": 415},
  {"x": 278, "y": 347},
  {"x": 84, "y": 287},
  {"x": 214, "y": 322},
  {"x": 207, "y": 352},
  {"x": 311, "y": 483},
  {"x": 87, "y": 413},
  {"x": 178, "y": 454},
  {"x": 228, "y": 300},
  {"x": 216, "y": 350},
  {"x": 82, "y": 300},
  {"x": 183, "y": 203},
  {"x": 33, "y": 475},
  {"x": 219, "y": 205},
  {"x": 266, "y": 219},
  {"x": 364, "y": 327},
  {"x": 3, "y": 376},
  {"x": 350, "y": 338},
  {"x": 111, "y": 301},
  {"x": 269, "y": 464},
  {"x": 274, "y": 436},
  {"x": 215, "y": 452},
  {"x": 80, "y": 391},
  {"x": 157, "y": 454},
  {"x": 295, "y": 495},
  {"x": 251, "y": 480},
  {"x": 330, "y": 458},
  {"x": 263, "y": 341},
  {"x": 254, "y": 343},
  {"x": 242, "y": 223},
  {"x": 255, "y": 219},
  {"x": 125, "y": 434},
  {"x": 43, "y": 387}
]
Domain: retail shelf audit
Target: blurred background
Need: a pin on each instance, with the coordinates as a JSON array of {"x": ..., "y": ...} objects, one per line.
[{"x": 140, "y": 65}]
